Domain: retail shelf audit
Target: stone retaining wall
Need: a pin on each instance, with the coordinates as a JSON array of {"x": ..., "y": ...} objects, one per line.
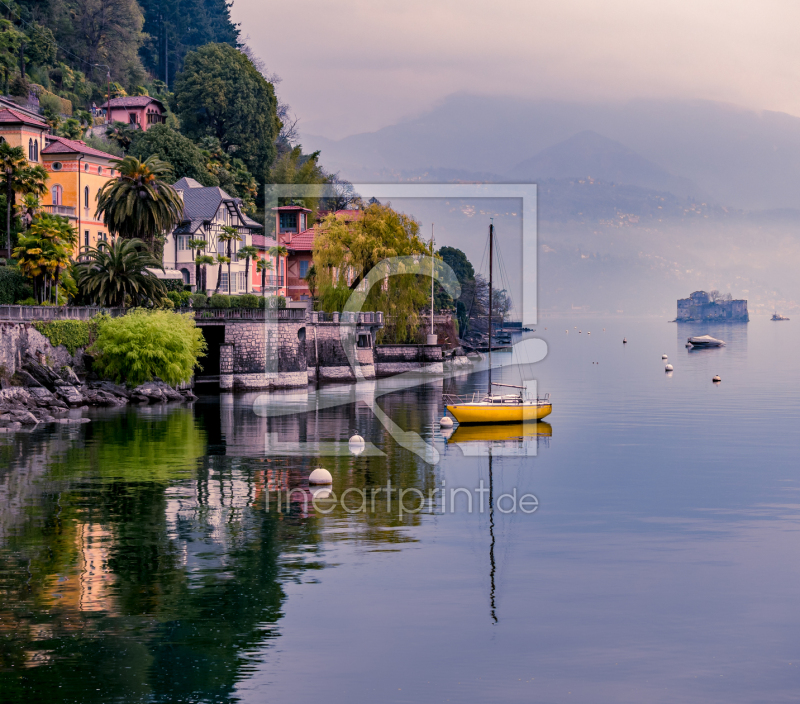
[{"x": 397, "y": 359}]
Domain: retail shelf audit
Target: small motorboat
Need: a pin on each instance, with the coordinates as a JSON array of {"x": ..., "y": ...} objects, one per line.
[
  {"x": 705, "y": 341},
  {"x": 776, "y": 316}
]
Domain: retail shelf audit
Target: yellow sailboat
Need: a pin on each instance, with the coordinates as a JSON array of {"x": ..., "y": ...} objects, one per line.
[
  {"x": 498, "y": 408},
  {"x": 491, "y": 407}
]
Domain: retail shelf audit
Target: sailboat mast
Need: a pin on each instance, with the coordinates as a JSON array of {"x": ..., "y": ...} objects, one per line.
[
  {"x": 431, "y": 278},
  {"x": 491, "y": 281}
]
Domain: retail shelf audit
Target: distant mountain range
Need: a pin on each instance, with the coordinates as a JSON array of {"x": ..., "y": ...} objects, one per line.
[
  {"x": 638, "y": 203},
  {"x": 705, "y": 150}
]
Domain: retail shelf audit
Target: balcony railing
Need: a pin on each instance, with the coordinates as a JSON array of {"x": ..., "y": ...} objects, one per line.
[
  {"x": 271, "y": 280},
  {"x": 66, "y": 210}
]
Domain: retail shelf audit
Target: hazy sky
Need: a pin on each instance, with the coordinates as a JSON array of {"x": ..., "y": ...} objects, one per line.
[{"x": 357, "y": 65}]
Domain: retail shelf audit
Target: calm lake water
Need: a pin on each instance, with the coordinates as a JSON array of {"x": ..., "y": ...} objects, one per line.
[{"x": 139, "y": 561}]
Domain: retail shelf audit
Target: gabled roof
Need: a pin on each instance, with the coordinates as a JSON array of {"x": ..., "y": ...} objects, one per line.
[
  {"x": 201, "y": 203},
  {"x": 62, "y": 145},
  {"x": 15, "y": 117},
  {"x": 132, "y": 101},
  {"x": 186, "y": 183}
]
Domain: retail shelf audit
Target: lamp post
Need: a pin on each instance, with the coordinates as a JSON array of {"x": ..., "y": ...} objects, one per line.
[{"x": 108, "y": 89}]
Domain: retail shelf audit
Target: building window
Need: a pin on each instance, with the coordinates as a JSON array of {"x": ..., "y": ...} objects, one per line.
[
  {"x": 58, "y": 195},
  {"x": 57, "y": 166},
  {"x": 242, "y": 281},
  {"x": 304, "y": 268},
  {"x": 86, "y": 167},
  {"x": 223, "y": 285},
  {"x": 133, "y": 118},
  {"x": 36, "y": 150},
  {"x": 183, "y": 242},
  {"x": 30, "y": 149},
  {"x": 86, "y": 197},
  {"x": 86, "y": 238},
  {"x": 288, "y": 222},
  {"x": 99, "y": 169}
]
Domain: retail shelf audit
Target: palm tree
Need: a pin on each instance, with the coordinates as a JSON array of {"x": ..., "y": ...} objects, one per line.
[
  {"x": 197, "y": 245},
  {"x": 112, "y": 272},
  {"x": 264, "y": 265},
  {"x": 311, "y": 279},
  {"x": 278, "y": 252},
  {"x": 12, "y": 161},
  {"x": 44, "y": 251},
  {"x": 203, "y": 260},
  {"x": 28, "y": 209},
  {"x": 222, "y": 260},
  {"x": 229, "y": 234},
  {"x": 139, "y": 204},
  {"x": 31, "y": 180},
  {"x": 247, "y": 251}
]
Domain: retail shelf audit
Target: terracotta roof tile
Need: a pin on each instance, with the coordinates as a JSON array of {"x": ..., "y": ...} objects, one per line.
[
  {"x": 62, "y": 145},
  {"x": 132, "y": 101},
  {"x": 9, "y": 115},
  {"x": 302, "y": 241}
]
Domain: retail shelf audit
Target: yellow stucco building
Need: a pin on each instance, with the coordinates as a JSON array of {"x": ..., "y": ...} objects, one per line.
[{"x": 76, "y": 171}]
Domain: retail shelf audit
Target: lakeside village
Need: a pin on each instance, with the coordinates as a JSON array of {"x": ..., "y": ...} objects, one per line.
[{"x": 122, "y": 283}]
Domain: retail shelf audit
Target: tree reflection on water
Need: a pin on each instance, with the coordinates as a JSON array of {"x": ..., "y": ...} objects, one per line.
[{"x": 138, "y": 560}]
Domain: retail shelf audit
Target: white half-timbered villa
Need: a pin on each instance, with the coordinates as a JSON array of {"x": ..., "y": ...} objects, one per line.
[{"x": 206, "y": 210}]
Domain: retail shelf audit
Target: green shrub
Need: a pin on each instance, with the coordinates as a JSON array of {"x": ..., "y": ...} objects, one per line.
[
  {"x": 199, "y": 300},
  {"x": 180, "y": 299},
  {"x": 145, "y": 344},
  {"x": 272, "y": 302},
  {"x": 13, "y": 285},
  {"x": 219, "y": 300},
  {"x": 70, "y": 333},
  {"x": 249, "y": 300}
]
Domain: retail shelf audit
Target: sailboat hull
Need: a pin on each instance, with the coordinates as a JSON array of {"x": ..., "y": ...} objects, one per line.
[{"x": 499, "y": 413}]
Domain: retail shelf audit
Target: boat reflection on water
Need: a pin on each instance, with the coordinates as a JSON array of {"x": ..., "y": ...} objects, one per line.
[{"x": 501, "y": 439}]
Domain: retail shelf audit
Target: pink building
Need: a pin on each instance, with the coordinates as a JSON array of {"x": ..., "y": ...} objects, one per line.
[{"x": 140, "y": 110}]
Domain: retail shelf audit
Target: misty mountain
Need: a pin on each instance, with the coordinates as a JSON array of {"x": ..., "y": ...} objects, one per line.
[
  {"x": 590, "y": 155},
  {"x": 740, "y": 158}
]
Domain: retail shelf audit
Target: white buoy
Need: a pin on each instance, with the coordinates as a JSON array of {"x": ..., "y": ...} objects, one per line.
[
  {"x": 668, "y": 368},
  {"x": 717, "y": 378},
  {"x": 320, "y": 476},
  {"x": 588, "y": 333},
  {"x": 663, "y": 356},
  {"x": 357, "y": 445},
  {"x": 446, "y": 422},
  {"x": 624, "y": 340},
  {"x": 580, "y": 331}
]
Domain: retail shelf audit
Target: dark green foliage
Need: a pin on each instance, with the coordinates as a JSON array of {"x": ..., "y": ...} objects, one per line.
[
  {"x": 19, "y": 87},
  {"x": 182, "y": 26},
  {"x": 72, "y": 334},
  {"x": 458, "y": 262},
  {"x": 199, "y": 300},
  {"x": 13, "y": 285},
  {"x": 219, "y": 300},
  {"x": 40, "y": 47},
  {"x": 180, "y": 153},
  {"x": 104, "y": 145},
  {"x": 221, "y": 94},
  {"x": 174, "y": 285}
]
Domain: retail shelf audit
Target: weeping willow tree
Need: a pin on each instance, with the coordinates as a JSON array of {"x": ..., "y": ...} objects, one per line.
[{"x": 349, "y": 246}]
